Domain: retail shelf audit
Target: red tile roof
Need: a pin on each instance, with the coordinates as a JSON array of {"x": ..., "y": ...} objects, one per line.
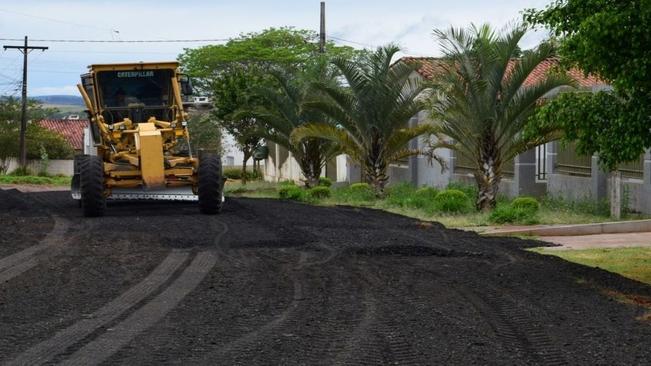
[
  {"x": 430, "y": 66},
  {"x": 72, "y": 130}
]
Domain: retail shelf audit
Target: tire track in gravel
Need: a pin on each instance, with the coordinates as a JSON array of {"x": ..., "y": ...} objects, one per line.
[
  {"x": 165, "y": 279},
  {"x": 245, "y": 343},
  {"x": 248, "y": 342},
  {"x": 377, "y": 340},
  {"x": 47, "y": 350},
  {"x": 18, "y": 263},
  {"x": 512, "y": 325},
  {"x": 107, "y": 344}
]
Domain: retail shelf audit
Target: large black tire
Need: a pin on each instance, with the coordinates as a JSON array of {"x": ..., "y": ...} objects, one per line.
[
  {"x": 91, "y": 174},
  {"x": 75, "y": 184},
  {"x": 210, "y": 185}
]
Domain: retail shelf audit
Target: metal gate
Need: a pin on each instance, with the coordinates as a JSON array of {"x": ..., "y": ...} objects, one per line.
[{"x": 541, "y": 162}]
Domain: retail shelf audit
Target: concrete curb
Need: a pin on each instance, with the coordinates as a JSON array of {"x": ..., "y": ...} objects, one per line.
[{"x": 637, "y": 226}]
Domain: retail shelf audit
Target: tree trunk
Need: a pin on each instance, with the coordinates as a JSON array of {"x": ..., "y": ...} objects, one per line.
[
  {"x": 488, "y": 181},
  {"x": 247, "y": 155},
  {"x": 616, "y": 194},
  {"x": 376, "y": 176},
  {"x": 310, "y": 160}
]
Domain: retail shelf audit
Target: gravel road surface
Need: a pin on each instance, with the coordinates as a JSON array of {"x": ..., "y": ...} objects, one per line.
[{"x": 276, "y": 283}]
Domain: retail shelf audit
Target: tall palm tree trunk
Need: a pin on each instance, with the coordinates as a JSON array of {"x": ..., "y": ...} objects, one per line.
[
  {"x": 488, "y": 177},
  {"x": 311, "y": 161},
  {"x": 375, "y": 171}
]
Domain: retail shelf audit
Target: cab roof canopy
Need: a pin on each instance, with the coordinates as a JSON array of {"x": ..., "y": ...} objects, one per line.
[{"x": 166, "y": 65}]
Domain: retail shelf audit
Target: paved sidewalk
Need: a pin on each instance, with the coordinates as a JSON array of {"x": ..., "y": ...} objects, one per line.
[{"x": 599, "y": 241}]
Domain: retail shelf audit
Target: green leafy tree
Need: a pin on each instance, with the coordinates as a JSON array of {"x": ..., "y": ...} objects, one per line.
[
  {"x": 611, "y": 39},
  {"x": 371, "y": 113},
  {"x": 205, "y": 132},
  {"x": 37, "y": 138},
  {"x": 232, "y": 73},
  {"x": 482, "y": 103}
]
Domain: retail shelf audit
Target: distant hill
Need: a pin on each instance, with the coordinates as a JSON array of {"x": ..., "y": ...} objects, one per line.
[{"x": 60, "y": 99}]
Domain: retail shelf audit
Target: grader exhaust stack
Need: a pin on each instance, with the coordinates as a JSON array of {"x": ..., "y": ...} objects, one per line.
[{"x": 138, "y": 144}]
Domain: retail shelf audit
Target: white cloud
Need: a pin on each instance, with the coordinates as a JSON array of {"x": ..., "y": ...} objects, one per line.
[
  {"x": 54, "y": 90},
  {"x": 408, "y": 23}
]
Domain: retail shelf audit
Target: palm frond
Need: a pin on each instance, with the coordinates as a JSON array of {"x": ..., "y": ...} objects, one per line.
[{"x": 329, "y": 132}]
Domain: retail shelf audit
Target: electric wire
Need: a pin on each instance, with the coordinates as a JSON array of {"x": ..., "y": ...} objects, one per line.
[{"x": 121, "y": 40}]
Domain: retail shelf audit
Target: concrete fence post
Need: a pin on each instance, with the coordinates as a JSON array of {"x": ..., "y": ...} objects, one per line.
[
  {"x": 552, "y": 158},
  {"x": 616, "y": 195},
  {"x": 413, "y": 160},
  {"x": 524, "y": 179},
  {"x": 646, "y": 183},
  {"x": 599, "y": 180}
]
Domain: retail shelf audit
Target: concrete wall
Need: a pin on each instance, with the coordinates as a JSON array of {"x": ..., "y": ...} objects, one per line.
[
  {"x": 398, "y": 174},
  {"x": 569, "y": 187},
  {"x": 55, "y": 167},
  {"x": 634, "y": 197}
]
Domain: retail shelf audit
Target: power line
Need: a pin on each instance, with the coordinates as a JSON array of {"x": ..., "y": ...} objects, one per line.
[
  {"x": 58, "y": 20},
  {"x": 119, "y": 52},
  {"x": 352, "y": 42},
  {"x": 122, "y": 41}
]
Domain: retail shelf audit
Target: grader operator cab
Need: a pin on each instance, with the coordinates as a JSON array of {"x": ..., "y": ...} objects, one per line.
[{"x": 138, "y": 145}]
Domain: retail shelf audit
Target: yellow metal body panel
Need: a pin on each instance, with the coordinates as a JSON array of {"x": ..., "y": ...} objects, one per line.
[
  {"x": 134, "y": 66},
  {"x": 149, "y": 144}
]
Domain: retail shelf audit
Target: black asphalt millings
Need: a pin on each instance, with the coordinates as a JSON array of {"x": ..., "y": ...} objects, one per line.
[
  {"x": 22, "y": 204},
  {"x": 413, "y": 251}
]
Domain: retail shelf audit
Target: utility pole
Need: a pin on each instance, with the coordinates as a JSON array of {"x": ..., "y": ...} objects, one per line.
[
  {"x": 322, "y": 32},
  {"x": 25, "y": 49}
]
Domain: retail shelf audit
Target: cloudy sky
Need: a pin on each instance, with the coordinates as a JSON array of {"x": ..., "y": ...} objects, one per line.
[{"x": 361, "y": 23}]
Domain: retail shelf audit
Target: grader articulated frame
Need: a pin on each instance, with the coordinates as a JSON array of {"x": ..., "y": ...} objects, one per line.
[{"x": 138, "y": 144}]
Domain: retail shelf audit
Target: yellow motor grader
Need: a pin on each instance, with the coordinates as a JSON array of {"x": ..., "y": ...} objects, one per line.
[{"x": 137, "y": 145}]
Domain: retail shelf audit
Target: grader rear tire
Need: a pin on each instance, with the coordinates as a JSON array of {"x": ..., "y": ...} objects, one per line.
[
  {"x": 91, "y": 178},
  {"x": 210, "y": 185}
]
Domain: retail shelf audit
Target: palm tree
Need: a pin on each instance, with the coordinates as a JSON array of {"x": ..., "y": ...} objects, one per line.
[
  {"x": 370, "y": 114},
  {"x": 284, "y": 108},
  {"x": 481, "y": 102}
]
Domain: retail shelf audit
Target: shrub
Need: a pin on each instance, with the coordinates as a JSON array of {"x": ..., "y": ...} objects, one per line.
[
  {"x": 287, "y": 182},
  {"x": 319, "y": 192},
  {"x": 236, "y": 173},
  {"x": 253, "y": 175},
  {"x": 289, "y": 192},
  {"x": 325, "y": 182},
  {"x": 513, "y": 215},
  {"x": 232, "y": 173},
  {"x": 406, "y": 195},
  {"x": 526, "y": 203},
  {"x": 469, "y": 189},
  {"x": 360, "y": 186},
  {"x": 401, "y": 194},
  {"x": 452, "y": 201},
  {"x": 357, "y": 192},
  {"x": 428, "y": 193}
]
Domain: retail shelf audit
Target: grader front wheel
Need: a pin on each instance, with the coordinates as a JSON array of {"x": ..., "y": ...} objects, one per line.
[
  {"x": 210, "y": 184},
  {"x": 91, "y": 179}
]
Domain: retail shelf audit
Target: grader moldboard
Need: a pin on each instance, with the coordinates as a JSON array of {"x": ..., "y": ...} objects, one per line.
[{"x": 137, "y": 146}]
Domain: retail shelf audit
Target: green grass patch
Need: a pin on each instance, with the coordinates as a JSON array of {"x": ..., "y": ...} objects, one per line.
[
  {"x": 255, "y": 189},
  {"x": 31, "y": 179},
  {"x": 421, "y": 203},
  {"x": 634, "y": 263}
]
